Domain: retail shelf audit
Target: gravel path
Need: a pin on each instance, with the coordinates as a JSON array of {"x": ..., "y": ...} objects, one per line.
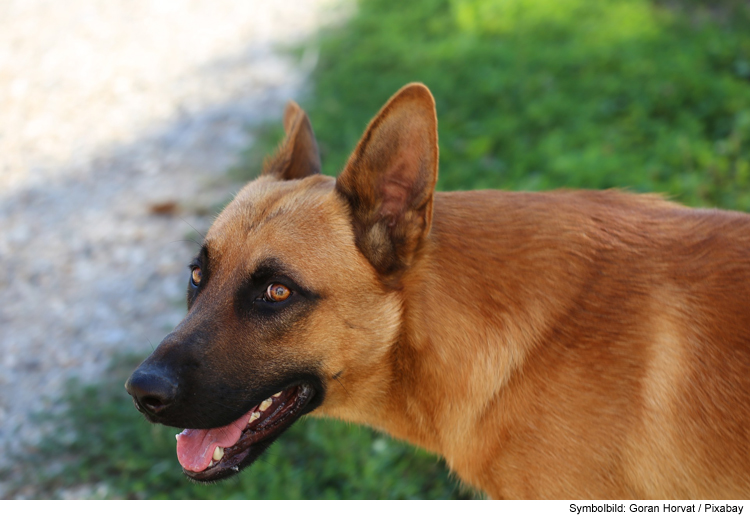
[{"x": 109, "y": 111}]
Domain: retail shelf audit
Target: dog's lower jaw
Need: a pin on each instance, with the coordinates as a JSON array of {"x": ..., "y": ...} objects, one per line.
[{"x": 260, "y": 431}]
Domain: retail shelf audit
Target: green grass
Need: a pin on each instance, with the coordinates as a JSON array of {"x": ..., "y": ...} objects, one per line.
[
  {"x": 102, "y": 439},
  {"x": 541, "y": 94},
  {"x": 531, "y": 94}
]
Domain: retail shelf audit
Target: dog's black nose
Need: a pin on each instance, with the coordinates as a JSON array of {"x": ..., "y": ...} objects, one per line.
[{"x": 152, "y": 390}]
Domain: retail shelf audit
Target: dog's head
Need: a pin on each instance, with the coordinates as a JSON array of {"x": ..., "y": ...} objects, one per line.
[{"x": 293, "y": 300}]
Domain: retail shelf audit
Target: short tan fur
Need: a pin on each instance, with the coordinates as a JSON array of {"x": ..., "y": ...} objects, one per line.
[{"x": 569, "y": 344}]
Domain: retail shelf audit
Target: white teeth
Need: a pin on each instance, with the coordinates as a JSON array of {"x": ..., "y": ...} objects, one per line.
[
  {"x": 218, "y": 453},
  {"x": 277, "y": 394},
  {"x": 177, "y": 436},
  {"x": 253, "y": 417},
  {"x": 265, "y": 404}
]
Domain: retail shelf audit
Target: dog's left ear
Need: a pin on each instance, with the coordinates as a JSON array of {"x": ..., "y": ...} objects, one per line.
[
  {"x": 390, "y": 178},
  {"x": 297, "y": 156}
]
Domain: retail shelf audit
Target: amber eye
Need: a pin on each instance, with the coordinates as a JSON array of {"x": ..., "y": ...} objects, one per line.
[
  {"x": 277, "y": 292},
  {"x": 195, "y": 276}
]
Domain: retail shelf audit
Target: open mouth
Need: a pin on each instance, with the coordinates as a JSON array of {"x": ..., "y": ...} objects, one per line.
[{"x": 212, "y": 454}]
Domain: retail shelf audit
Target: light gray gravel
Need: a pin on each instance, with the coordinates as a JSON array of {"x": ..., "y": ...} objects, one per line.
[{"x": 108, "y": 108}]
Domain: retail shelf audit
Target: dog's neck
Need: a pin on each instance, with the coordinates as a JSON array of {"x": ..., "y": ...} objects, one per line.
[{"x": 467, "y": 363}]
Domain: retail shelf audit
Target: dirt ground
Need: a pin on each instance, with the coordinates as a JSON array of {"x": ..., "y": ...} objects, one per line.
[{"x": 118, "y": 121}]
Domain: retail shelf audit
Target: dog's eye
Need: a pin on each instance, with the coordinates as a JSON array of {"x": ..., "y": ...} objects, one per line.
[
  {"x": 277, "y": 293},
  {"x": 195, "y": 276}
]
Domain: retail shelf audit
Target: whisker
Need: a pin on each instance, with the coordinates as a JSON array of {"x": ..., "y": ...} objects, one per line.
[
  {"x": 193, "y": 228},
  {"x": 342, "y": 386},
  {"x": 185, "y": 240},
  {"x": 336, "y": 377}
]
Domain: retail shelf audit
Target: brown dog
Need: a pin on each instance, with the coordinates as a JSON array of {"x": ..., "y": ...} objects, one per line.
[{"x": 548, "y": 345}]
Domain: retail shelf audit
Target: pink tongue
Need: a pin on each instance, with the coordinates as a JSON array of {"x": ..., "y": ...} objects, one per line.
[{"x": 195, "y": 447}]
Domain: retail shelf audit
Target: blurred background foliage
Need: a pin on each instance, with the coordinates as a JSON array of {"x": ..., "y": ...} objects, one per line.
[
  {"x": 542, "y": 94},
  {"x": 531, "y": 95}
]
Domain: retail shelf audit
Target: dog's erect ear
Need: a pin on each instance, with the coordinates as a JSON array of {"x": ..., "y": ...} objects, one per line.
[
  {"x": 297, "y": 156},
  {"x": 390, "y": 178}
]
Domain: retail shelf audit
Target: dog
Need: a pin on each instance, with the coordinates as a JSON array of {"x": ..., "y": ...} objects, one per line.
[{"x": 565, "y": 344}]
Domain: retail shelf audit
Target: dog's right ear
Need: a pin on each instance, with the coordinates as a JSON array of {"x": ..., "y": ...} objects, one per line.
[
  {"x": 297, "y": 156},
  {"x": 390, "y": 178}
]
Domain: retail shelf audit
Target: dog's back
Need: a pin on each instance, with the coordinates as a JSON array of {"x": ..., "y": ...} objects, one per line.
[{"x": 610, "y": 333}]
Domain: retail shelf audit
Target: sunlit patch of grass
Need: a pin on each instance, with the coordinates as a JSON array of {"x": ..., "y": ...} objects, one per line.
[{"x": 600, "y": 23}]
